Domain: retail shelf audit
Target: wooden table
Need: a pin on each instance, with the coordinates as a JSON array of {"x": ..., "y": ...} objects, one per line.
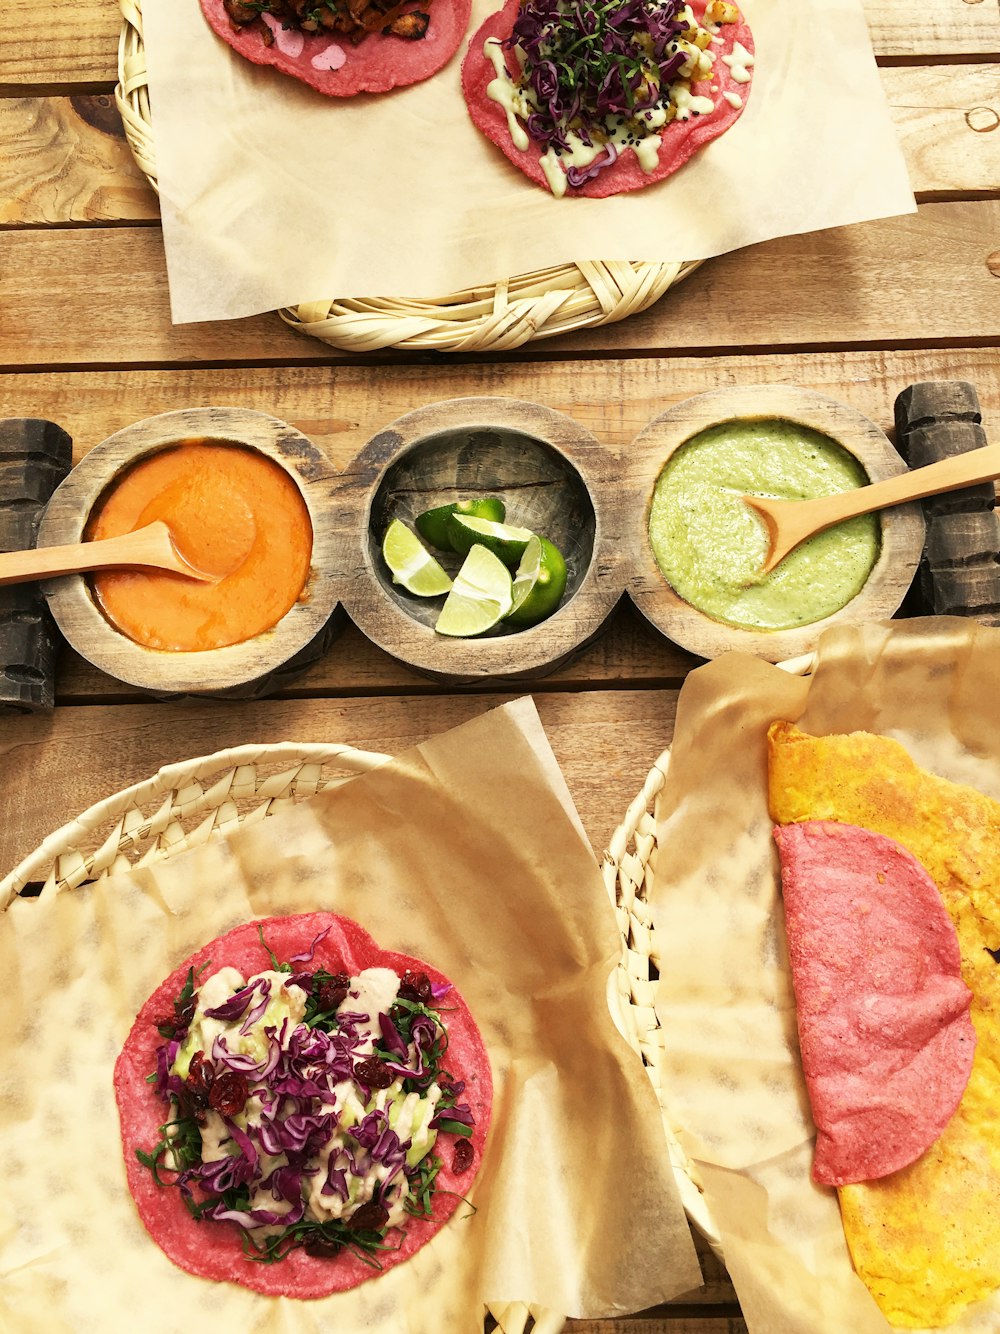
[{"x": 86, "y": 341}]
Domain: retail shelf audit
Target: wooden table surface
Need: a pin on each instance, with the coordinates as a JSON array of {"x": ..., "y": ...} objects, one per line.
[{"x": 86, "y": 341}]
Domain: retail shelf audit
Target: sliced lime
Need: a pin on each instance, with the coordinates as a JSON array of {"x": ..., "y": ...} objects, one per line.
[
  {"x": 433, "y": 524},
  {"x": 411, "y": 564},
  {"x": 539, "y": 583},
  {"x": 503, "y": 539},
  {"x": 480, "y": 597}
]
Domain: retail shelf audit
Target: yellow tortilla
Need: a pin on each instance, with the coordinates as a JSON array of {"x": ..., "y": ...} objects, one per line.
[{"x": 926, "y": 1240}]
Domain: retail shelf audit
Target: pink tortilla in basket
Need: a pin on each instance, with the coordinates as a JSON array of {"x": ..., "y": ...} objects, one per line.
[
  {"x": 681, "y": 139},
  {"x": 334, "y": 66},
  {"x": 883, "y": 1014},
  {"x": 214, "y": 1249}
]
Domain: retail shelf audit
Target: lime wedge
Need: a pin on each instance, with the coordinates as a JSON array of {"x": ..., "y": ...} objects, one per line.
[
  {"x": 433, "y": 524},
  {"x": 411, "y": 564},
  {"x": 502, "y": 539},
  {"x": 480, "y": 597},
  {"x": 539, "y": 583}
]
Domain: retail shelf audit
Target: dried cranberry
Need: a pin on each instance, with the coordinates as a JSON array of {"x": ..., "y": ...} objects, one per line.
[
  {"x": 374, "y": 1072},
  {"x": 332, "y": 991},
  {"x": 229, "y": 1093},
  {"x": 415, "y": 987},
  {"x": 464, "y": 1154},
  {"x": 193, "y": 1097},
  {"x": 371, "y": 1217},
  {"x": 322, "y": 1248}
]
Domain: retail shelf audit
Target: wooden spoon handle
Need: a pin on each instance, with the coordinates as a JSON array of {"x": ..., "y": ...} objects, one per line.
[
  {"x": 978, "y": 465},
  {"x": 146, "y": 546}
]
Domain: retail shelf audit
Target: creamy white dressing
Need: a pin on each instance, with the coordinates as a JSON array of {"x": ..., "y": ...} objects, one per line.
[
  {"x": 739, "y": 62},
  {"x": 734, "y": 100},
  {"x": 372, "y": 993}
]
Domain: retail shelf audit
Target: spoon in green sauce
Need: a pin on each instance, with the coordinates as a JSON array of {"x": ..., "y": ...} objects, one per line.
[{"x": 790, "y": 522}]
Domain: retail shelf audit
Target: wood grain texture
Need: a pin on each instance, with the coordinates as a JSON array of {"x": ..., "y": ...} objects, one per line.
[
  {"x": 341, "y": 407},
  {"x": 948, "y": 121},
  {"x": 606, "y": 744},
  {"x": 40, "y": 48},
  {"x": 38, "y": 51},
  {"x": 99, "y": 297},
  {"x": 65, "y": 159}
]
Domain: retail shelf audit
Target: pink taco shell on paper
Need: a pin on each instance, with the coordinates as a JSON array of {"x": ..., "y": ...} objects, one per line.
[
  {"x": 681, "y": 139},
  {"x": 214, "y": 1249},
  {"x": 334, "y": 66}
]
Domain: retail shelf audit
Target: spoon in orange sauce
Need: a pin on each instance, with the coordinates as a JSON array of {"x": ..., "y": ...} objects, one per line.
[{"x": 152, "y": 545}]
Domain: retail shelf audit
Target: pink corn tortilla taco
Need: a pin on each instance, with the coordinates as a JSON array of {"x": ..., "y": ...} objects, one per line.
[
  {"x": 214, "y": 1249},
  {"x": 332, "y": 65},
  {"x": 882, "y": 1011},
  {"x": 728, "y": 88}
]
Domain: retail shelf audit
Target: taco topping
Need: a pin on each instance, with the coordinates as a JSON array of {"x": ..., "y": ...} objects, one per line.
[
  {"x": 582, "y": 85},
  {"x": 306, "y": 1106},
  {"x": 350, "y": 19}
]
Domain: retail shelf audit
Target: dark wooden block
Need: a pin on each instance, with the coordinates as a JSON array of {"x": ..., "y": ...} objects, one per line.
[
  {"x": 962, "y": 539},
  {"x": 968, "y": 500},
  {"x": 968, "y": 590},
  {"x": 935, "y": 401},
  {"x": 941, "y": 440},
  {"x": 35, "y": 456}
]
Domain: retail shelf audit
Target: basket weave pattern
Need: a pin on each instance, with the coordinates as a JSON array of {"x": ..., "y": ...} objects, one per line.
[{"x": 493, "y": 318}]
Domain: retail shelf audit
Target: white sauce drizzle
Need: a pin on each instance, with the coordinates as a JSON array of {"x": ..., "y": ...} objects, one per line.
[{"x": 739, "y": 63}]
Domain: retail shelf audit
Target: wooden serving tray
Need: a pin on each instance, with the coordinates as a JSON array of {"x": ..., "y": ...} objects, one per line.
[{"x": 555, "y": 478}]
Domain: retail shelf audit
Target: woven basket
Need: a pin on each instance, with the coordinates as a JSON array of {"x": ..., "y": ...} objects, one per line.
[
  {"x": 492, "y": 318},
  {"x": 187, "y": 805}
]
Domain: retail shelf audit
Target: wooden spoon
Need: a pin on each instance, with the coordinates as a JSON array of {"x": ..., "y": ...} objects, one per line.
[
  {"x": 790, "y": 522},
  {"x": 152, "y": 545}
]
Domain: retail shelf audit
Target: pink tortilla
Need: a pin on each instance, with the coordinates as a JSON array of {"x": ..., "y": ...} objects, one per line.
[
  {"x": 373, "y": 66},
  {"x": 883, "y": 1013},
  {"x": 680, "y": 140},
  {"x": 214, "y": 1250}
]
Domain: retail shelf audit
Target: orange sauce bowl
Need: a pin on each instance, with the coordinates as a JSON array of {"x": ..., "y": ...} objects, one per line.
[{"x": 247, "y": 500}]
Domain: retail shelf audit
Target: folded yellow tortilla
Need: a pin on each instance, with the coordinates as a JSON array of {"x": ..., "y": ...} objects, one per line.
[{"x": 925, "y": 1240}]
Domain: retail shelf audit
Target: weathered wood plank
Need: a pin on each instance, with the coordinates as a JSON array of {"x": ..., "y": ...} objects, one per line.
[
  {"x": 40, "y": 47},
  {"x": 36, "y": 50},
  {"x": 948, "y": 120},
  {"x": 51, "y": 773},
  {"x": 66, "y": 159},
  {"x": 341, "y": 407},
  {"x": 99, "y": 297}
]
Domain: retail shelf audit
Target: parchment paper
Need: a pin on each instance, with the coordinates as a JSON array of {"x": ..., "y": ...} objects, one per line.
[
  {"x": 725, "y": 999},
  {"x": 273, "y": 195},
  {"x": 465, "y": 852}
]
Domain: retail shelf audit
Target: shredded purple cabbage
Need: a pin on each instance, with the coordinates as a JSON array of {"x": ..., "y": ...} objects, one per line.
[{"x": 589, "y": 64}]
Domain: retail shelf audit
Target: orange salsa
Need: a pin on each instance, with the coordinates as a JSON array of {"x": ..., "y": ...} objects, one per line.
[{"x": 233, "y": 513}]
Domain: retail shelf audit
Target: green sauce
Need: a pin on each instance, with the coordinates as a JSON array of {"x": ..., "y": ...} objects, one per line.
[{"x": 710, "y": 546}]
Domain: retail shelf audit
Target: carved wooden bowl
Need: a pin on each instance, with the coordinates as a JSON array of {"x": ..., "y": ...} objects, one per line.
[
  {"x": 902, "y": 528},
  {"x": 550, "y": 473},
  {"x": 251, "y": 668}
]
